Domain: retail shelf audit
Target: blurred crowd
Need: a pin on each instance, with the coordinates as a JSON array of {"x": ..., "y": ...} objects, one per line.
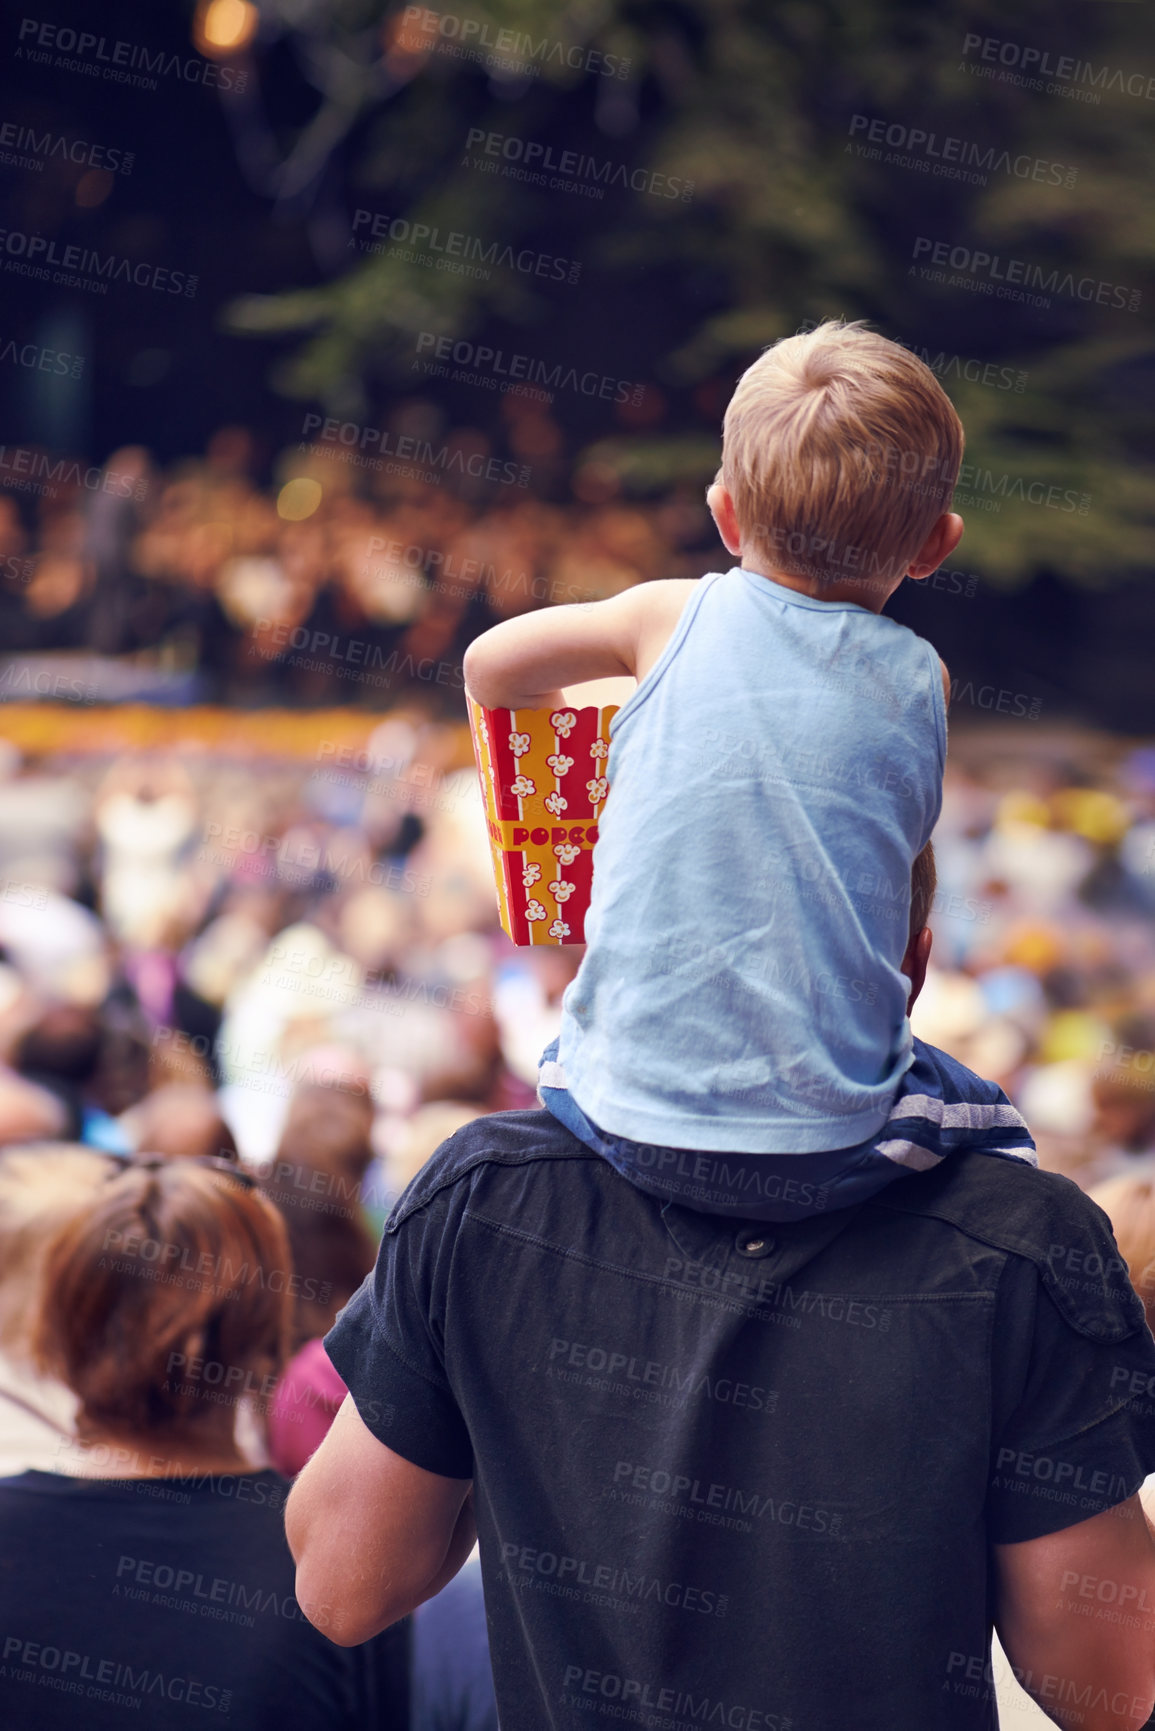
[{"x": 332, "y": 584}]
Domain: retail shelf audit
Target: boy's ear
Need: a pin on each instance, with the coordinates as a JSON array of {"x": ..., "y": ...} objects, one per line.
[
  {"x": 721, "y": 508},
  {"x": 939, "y": 545}
]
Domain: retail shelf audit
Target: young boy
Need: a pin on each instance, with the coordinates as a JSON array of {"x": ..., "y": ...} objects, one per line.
[{"x": 736, "y": 1038}]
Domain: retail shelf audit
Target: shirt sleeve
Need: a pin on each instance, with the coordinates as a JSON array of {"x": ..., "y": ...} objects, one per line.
[
  {"x": 1080, "y": 1436},
  {"x": 388, "y": 1344}
]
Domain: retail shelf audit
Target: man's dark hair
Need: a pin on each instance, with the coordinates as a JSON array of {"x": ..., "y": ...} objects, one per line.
[{"x": 923, "y": 883}]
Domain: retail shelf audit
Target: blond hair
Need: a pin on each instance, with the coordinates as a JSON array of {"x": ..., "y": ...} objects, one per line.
[{"x": 840, "y": 451}]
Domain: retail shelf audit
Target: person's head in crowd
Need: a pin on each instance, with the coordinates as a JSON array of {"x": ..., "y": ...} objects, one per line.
[
  {"x": 29, "y": 1112},
  {"x": 41, "y": 1189},
  {"x": 840, "y": 452},
  {"x": 424, "y": 1132},
  {"x": 315, "y": 1181},
  {"x": 64, "y": 1041},
  {"x": 174, "y": 1062},
  {"x": 1124, "y": 1105},
  {"x": 330, "y": 1117},
  {"x": 309, "y": 1395},
  {"x": 61, "y": 1052},
  {"x": 179, "y": 1121},
  {"x": 155, "y": 1363},
  {"x": 1130, "y": 1204},
  {"x": 1123, "y": 1088},
  {"x": 122, "y": 1074}
]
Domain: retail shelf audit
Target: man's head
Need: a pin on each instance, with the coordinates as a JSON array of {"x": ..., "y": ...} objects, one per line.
[{"x": 840, "y": 453}]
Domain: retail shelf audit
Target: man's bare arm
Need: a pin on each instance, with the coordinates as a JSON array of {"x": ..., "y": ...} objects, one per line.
[
  {"x": 372, "y": 1535},
  {"x": 1087, "y": 1672}
]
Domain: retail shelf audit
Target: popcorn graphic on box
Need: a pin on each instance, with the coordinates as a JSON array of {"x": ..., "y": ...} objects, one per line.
[{"x": 543, "y": 778}]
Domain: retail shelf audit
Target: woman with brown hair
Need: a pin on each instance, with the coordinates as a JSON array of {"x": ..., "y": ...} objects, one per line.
[{"x": 150, "y": 1572}]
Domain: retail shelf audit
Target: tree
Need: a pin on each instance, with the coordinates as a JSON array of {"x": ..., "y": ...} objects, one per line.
[{"x": 840, "y": 158}]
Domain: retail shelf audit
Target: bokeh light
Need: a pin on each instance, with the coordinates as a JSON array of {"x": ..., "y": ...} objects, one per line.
[
  {"x": 224, "y": 27},
  {"x": 298, "y": 499}
]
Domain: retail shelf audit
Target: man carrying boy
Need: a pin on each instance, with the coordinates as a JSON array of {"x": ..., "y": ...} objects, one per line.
[
  {"x": 722, "y": 1475},
  {"x": 725, "y": 1475}
]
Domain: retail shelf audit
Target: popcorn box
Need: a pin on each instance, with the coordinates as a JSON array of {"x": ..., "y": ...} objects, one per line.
[{"x": 543, "y": 776}]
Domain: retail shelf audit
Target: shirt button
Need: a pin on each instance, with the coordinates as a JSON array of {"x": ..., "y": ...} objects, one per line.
[{"x": 753, "y": 1244}]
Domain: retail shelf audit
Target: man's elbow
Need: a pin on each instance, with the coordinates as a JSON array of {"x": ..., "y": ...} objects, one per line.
[
  {"x": 1122, "y": 1713},
  {"x": 342, "y": 1618},
  {"x": 1088, "y": 1687}
]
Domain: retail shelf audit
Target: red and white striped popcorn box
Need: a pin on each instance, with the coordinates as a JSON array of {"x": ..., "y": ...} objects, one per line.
[{"x": 543, "y": 776}]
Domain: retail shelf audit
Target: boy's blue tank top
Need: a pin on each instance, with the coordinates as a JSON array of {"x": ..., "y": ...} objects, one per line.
[{"x": 771, "y": 781}]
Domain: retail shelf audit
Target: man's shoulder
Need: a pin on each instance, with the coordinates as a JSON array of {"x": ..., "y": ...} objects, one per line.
[
  {"x": 495, "y": 1139},
  {"x": 1039, "y": 1216}
]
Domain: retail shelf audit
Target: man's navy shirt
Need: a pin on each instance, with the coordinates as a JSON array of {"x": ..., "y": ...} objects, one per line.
[{"x": 741, "y": 1475}]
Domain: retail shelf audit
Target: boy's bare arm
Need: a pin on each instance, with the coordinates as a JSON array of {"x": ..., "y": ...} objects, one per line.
[
  {"x": 524, "y": 663},
  {"x": 945, "y": 682}
]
